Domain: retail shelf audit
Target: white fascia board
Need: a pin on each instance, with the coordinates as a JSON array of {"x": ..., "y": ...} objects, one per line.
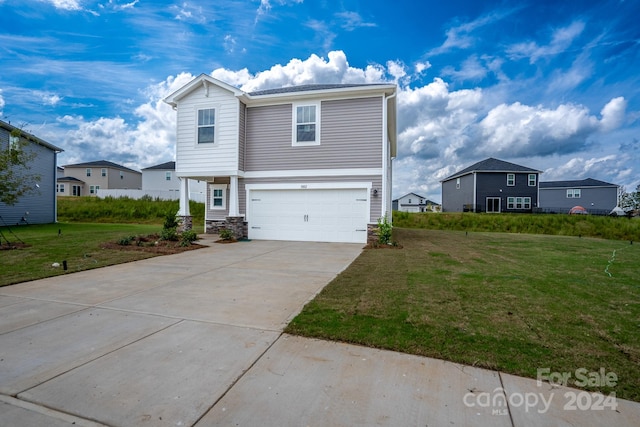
[
  {"x": 313, "y": 173},
  {"x": 309, "y": 186},
  {"x": 203, "y": 175},
  {"x": 197, "y": 83}
]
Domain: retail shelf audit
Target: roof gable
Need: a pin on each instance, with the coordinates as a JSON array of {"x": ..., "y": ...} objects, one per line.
[
  {"x": 203, "y": 80},
  {"x": 492, "y": 165}
]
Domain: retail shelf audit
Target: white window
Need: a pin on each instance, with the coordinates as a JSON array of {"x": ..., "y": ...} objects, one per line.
[
  {"x": 121, "y": 175},
  {"x": 76, "y": 190},
  {"x": 218, "y": 196},
  {"x": 103, "y": 172},
  {"x": 518, "y": 202},
  {"x": 13, "y": 142},
  {"x": 206, "y": 125},
  {"x": 167, "y": 176},
  {"x": 88, "y": 171},
  {"x": 457, "y": 183},
  {"x": 60, "y": 188},
  {"x": 93, "y": 189},
  {"x": 573, "y": 193},
  {"x": 532, "y": 180},
  {"x": 306, "y": 124},
  {"x": 511, "y": 179}
]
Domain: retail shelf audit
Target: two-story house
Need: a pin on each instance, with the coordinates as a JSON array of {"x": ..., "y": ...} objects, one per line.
[
  {"x": 162, "y": 179},
  {"x": 413, "y": 202},
  {"x": 595, "y": 196},
  {"x": 85, "y": 179},
  {"x": 307, "y": 163},
  {"x": 491, "y": 185},
  {"x": 39, "y": 206}
]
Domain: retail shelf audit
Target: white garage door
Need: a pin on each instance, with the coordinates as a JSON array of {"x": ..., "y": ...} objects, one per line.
[{"x": 319, "y": 215}]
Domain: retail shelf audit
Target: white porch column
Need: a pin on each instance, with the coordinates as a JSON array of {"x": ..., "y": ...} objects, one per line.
[
  {"x": 233, "y": 196},
  {"x": 184, "y": 198}
]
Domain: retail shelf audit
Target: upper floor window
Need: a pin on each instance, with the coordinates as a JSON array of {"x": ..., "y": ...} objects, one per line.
[
  {"x": 167, "y": 176},
  {"x": 206, "y": 125},
  {"x": 103, "y": 172},
  {"x": 88, "y": 171},
  {"x": 532, "y": 180},
  {"x": 511, "y": 179},
  {"x": 306, "y": 124},
  {"x": 573, "y": 193},
  {"x": 121, "y": 175},
  {"x": 457, "y": 183}
]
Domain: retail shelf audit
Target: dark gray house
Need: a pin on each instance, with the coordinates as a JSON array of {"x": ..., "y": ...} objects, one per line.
[
  {"x": 595, "y": 196},
  {"x": 491, "y": 185},
  {"x": 39, "y": 207}
]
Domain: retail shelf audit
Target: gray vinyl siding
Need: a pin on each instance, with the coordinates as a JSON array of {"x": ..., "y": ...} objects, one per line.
[
  {"x": 39, "y": 207},
  {"x": 350, "y": 137},
  {"x": 242, "y": 136},
  {"x": 375, "y": 202},
  {"x": 605, "y": 198},
  {"x": 454, "y": 199}
]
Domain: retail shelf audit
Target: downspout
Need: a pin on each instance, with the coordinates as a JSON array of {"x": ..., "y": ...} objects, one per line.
[{"x": 386, "y": 161}]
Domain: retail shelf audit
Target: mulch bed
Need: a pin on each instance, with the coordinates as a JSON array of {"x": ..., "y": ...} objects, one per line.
[{"x": 153, "y": 244}]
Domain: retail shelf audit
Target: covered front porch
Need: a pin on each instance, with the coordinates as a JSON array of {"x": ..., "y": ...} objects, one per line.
[{"x": 222, "y": 206}]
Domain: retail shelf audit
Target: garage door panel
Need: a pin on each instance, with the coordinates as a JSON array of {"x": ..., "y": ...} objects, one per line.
[{"x": 331, "y": 215}]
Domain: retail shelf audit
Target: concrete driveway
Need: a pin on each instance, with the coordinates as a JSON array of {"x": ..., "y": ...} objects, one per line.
[{"x": 195, "y": 339}]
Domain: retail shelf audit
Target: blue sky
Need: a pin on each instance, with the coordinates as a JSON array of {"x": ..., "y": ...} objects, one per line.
[{"x": 553, "y": 85}]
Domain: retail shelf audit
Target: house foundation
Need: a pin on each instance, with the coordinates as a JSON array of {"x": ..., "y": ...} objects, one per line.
[
  {"x": 236, "y": 224},
  {"x": 185, "y": 223}
]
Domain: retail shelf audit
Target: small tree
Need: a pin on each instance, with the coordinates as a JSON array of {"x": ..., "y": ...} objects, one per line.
[
  {"x": 15, "y": 179},
  {"x": 630, "y": 200}
]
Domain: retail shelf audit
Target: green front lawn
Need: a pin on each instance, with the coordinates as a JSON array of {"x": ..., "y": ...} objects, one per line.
[
  {"x": 78, "y": 244},
  {"x": 509, "y": 302}
]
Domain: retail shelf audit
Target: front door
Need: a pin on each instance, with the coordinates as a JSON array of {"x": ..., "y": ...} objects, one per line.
[{"x": 493, "y": 204}]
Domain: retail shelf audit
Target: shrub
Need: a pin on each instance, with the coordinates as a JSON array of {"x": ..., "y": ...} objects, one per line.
[
  {"x": 384, "y": 231},
  {"x": 226, "y": 234},
  {"x": 169, "y": 234},
  {"x": 126, "y": 241},
  {"x": 188, "y": 237}
]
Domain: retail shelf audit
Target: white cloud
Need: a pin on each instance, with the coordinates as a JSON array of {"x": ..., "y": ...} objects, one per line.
[
  {"x": 471, "y": 69},
  {"x": 350, "y": 21},
  {"x": 65, "y": 4},
  {"x": 50, "y": 99},
  {"x": 314, "y": 69},
  {"x": 187, "y": 12},
  {"x": 265, "y": 6},
  {"x": 561, "y": 39},
  {"x": 613, "y": 114},
  {"x": 421, "y": 67},
  {"x": 460, "y": 36}
]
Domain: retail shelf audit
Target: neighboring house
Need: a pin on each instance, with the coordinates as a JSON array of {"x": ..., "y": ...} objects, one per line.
[
  {"x": 413, "y": 202},
  {"x": 163, "y": 178},
  {"x": 491, "y": 185},
  {"x": 39, "y": 207},
  {"x": 89, "y": 177},
  {"x": 596, "y": 196},
  {"x": 306, "y": 162}
]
